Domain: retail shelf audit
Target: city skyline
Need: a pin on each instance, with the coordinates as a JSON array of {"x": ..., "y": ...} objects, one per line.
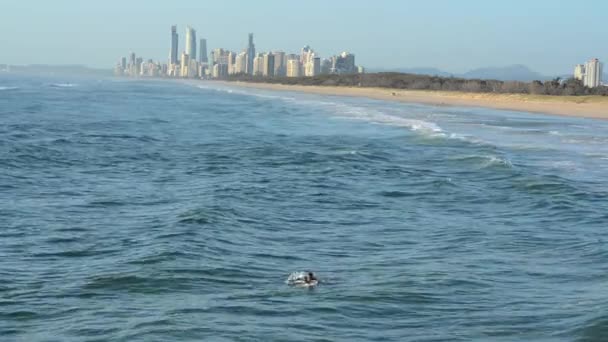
[
  {"x": 455, "y": 37},
  {"x": 225, "y": 63}
]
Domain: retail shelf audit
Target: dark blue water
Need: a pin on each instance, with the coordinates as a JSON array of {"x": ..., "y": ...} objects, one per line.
[{"x": 156, "y": 211}]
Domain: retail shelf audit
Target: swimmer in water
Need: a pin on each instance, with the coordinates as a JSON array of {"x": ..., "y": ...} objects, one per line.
[{"x": 310, "y": 278}]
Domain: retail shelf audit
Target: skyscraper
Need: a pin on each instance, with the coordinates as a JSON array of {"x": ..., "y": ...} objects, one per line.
[
  {"x": 240, "y": 63},
  {"x": 250, "y": 54},
  {"x": 279, "y": 63},
  {"x": 344, "y": 64},
  {"x": 294, "y": 68},
  {"x": 593, "y": 73},
  {"x": 132, "y": 58},
  {"x": 174, "y": 45},
  {"x": 203, "y": 52},
  {"x": 185, "y": 65},
  {"x": 258, "y": 65},
  {"x": 269, "y": 61},
  {"x": 191, "y": 43},
  {"x": 579, "y": 72}
]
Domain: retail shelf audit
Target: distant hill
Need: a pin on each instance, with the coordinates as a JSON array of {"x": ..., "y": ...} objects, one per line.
[
  {"x": 508, "y": 73},
  {"x": 416, "y": 71},
  {"x": 49, "y": 70}
]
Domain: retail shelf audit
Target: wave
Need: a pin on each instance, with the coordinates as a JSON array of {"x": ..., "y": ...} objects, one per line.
[
  {"x": 379, "y": 117},
  {"x": 484, "y": 161},
  {"x": 7, "y": 88},
  {"x": 64, "y": 85}
]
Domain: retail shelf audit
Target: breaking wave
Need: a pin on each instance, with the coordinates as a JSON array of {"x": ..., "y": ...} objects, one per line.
[{"x": 64, "y": 85}]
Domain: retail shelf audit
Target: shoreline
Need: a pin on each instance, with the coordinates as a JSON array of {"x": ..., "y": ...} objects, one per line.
[{"x": 593, "y": 107}]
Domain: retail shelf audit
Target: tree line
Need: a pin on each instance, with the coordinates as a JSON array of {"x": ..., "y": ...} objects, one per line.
[{"x": 393, "y": 80}]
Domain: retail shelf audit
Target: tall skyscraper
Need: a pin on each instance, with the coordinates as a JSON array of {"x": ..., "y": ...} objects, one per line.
[
  {"x": 240, "y": 63},
  {"x": 132, "y": 58},
  {"x": 191, "y": 43},
  {"x": 185, "y": 65},
  {"x": 268, "y": 65},
  {"x": 593, "y": 73},
  {"x": 579, "y": 72},
  {"x": 344, "y": 64},
  {"x": 174, "y": 46},
  {"x": 279, "y": 63},
  {"x": 258, "y": 65},
  {"x": 250, "y": 55},
  {"x": 294, "y": 69},
  {"x": 203, "y": 52}
]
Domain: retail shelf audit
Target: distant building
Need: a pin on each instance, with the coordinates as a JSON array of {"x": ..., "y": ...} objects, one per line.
[
  {"x": 203, "y": 51},
  {"x": 344, "y": 64},
  {"x": 185, "y": 65},
  {"x": 174, "y": 46},
  {"x": 250, "y": 55},
  {"x": 231, "y": 61},
  {"x": 360, "y": 70},
  {"x": 258, "y": 65},
  {"x": 579, "y": 72},
  {"x": 123, "y": 63},
  {"x": 294, "y": 69},
  {"x": 240, "y": 63},
  {"x": 313, "y": 66},
  {"x": 593, "y": 73},
  {"x": 269, "y": 63},
  {"x": 132, "y": 58},
  {"x": 191, "y": 42},
  {"x": 326, "y": 65},
  {"x": 279, "y": 63},
  {"x": 220, "y": 71}
]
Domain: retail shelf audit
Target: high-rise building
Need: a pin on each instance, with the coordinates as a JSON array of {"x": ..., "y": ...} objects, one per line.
[
  {"x": 250, "y": 55},
  {"x": 191, "y": 42},
  {"x": 279, "y": 63},
  {"x": 231, "y": 61},
  {"x": 219, "y": 56},
  {"x": 123, "y": 63},
  {"x": 203, "y": 53},
  {"x": 258, "y": 65},
  {"x": 174, "y": 46},
  {"x": 593, "y": 73},
  {"x": 326, "y": 65},
  {"x": 240, "y": 63},
  {"x": 185, "y": 65},
  {"x": 579, "y": 72},
  {"x": 305, "y": 55},
  {"x": 132, "y": 58},
  {"x": 344, "y": 64},
  {"x": 294, "y": 69},
  {"x": 268, "y": 64}
]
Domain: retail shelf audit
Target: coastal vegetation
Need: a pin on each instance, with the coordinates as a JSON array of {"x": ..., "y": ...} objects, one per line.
[{"x": 392, "y": 80}]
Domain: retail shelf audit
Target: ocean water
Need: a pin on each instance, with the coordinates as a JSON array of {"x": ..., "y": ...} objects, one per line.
[{"x": 160, "y": 211}]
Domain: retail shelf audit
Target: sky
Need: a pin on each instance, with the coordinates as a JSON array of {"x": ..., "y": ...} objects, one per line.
[{"x": 549, "y": 36}]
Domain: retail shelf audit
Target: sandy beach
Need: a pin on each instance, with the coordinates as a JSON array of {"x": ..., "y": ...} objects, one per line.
[{"x": 578, "y": 106}]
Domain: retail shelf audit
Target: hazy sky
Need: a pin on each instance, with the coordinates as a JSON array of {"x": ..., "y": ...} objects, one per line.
[{"x": 550, "y": 36}]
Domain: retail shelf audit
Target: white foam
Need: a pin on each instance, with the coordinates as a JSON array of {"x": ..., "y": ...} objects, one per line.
[
  {"x": 64, "y": 85},
  {"x": 376, "y": 116},
  {"x": 8, "y": 88},
  {"x": 485, "y": 161}
]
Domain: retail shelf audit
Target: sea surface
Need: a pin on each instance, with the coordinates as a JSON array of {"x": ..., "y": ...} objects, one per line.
[{"x": 165, "y": 211}]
